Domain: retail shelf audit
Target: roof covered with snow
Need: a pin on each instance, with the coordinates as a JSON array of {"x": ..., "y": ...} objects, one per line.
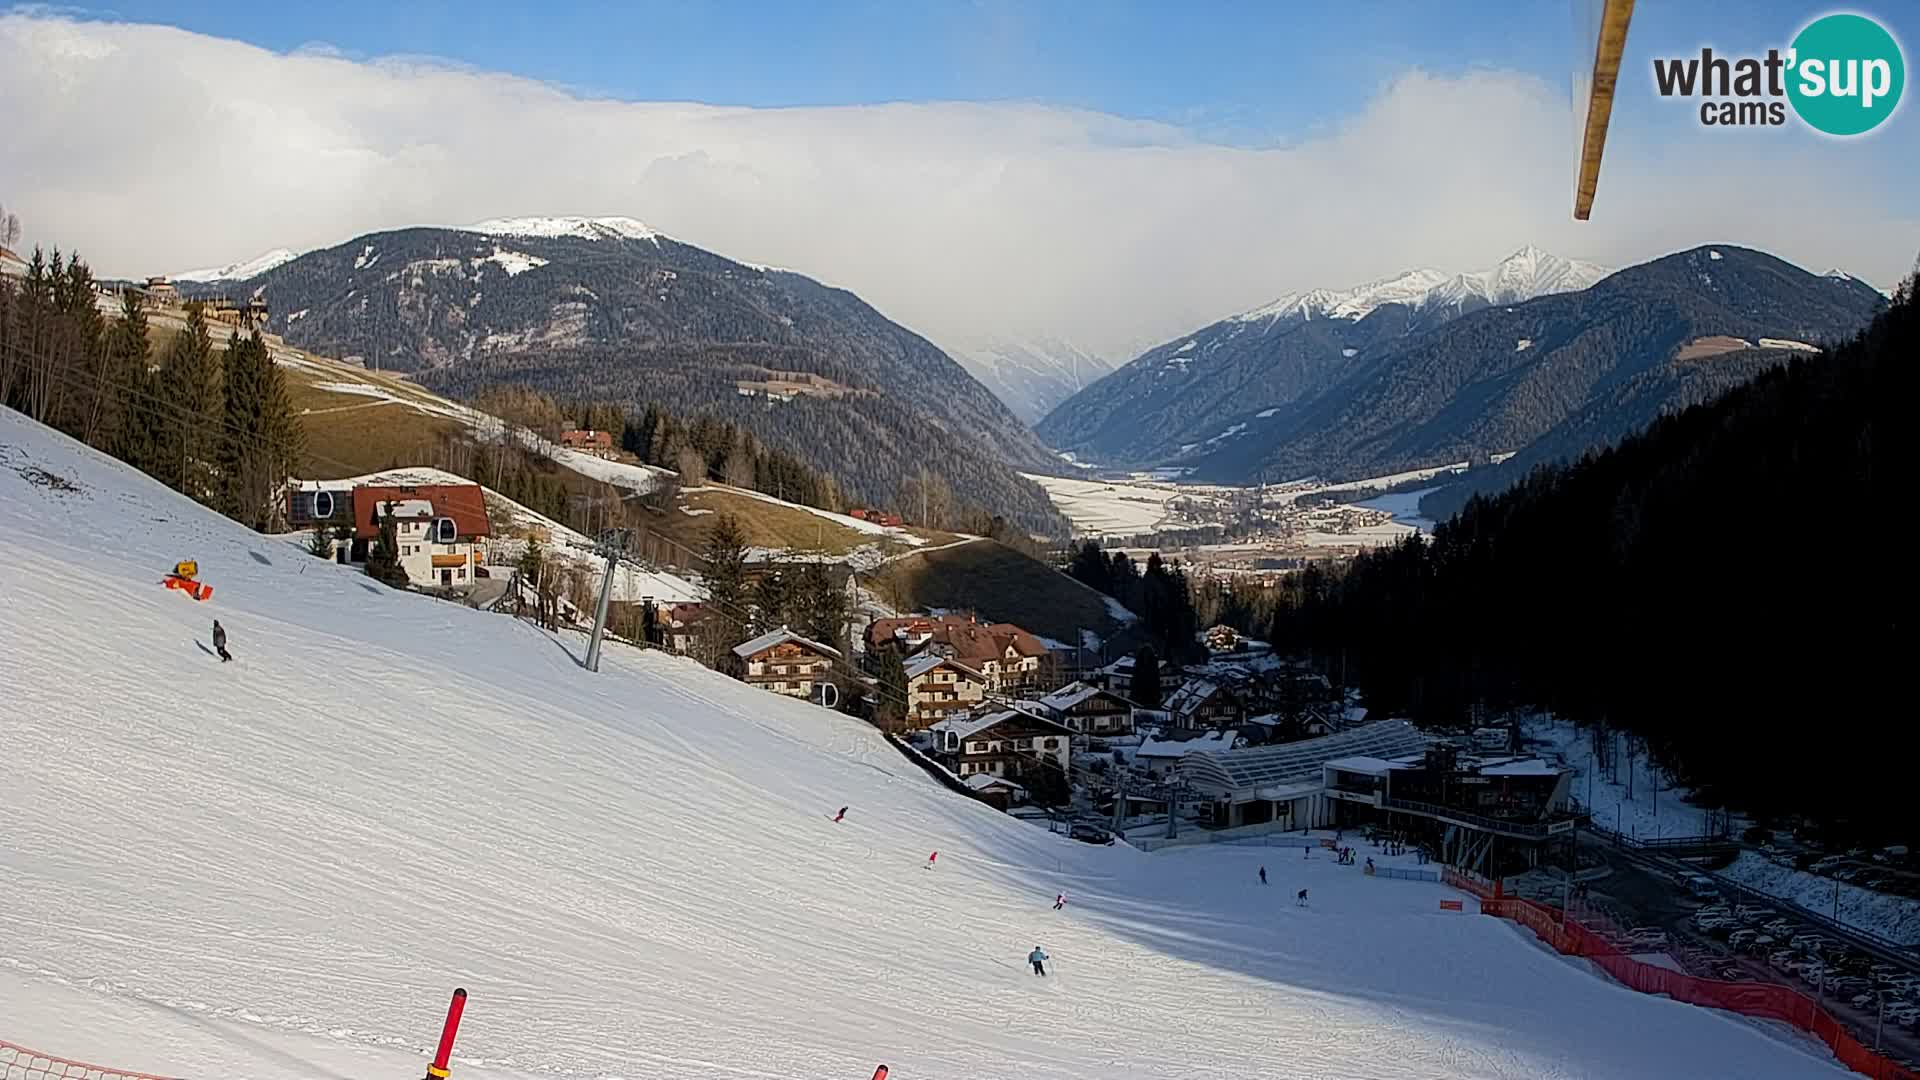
[
  {"x": 1302, "y": 761},
  {"x": 1175, "y": 748},
  {"x": 926, "y": 662},
  {"x": 966, "y": 727},
  {"x": 775, "y": 637},
  {"x": 1076, "y": 693}
]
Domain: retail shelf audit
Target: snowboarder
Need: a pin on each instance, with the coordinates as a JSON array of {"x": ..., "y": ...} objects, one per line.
[
  {"x": 1300, "y": 898},
  {"x": 1263, "y": 875},
  {"x": 1037, "y": 959},
  {"x": 1369, "y": 864},
  {"x": 220, "y": 641},
  {"x": 841, "y": 815},
  {"x": 1059, "y": 901},
  {"x": 931, "y": 859}
]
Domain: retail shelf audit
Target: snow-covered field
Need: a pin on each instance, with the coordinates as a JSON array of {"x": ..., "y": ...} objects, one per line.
[
  {"x": 278, "y": 868},
  {"x": 1896, "y": 918},
  {"x": 1104, "y": 508},
  {"x": 1642, "y": 809}
]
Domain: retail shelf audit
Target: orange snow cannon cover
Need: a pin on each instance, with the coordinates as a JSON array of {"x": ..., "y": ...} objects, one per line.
[{"x": 182, "y": 578}]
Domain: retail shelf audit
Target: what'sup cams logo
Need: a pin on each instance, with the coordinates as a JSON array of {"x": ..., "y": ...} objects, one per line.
[{"x": 1842, "y": 75}]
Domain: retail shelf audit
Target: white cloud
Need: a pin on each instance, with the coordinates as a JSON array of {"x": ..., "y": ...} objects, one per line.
[{"x": 149, "y": 148}]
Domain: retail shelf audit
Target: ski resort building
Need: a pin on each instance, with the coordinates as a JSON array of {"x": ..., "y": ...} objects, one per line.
[
  {"x": 1204, "y": 704},
  {"x": 1493, "y": 815},
  {"x": 1162, "y": 757},
  {"x": 785, "y": 663},
  {"x": 1487, "y": 814},
  {"x": 938, "y": 687},
  {"x": 442, "y": 529},
  {"x": 1007, "y": 743},
  {"x": 1089, "y": 710},
  {"x": 597, "y": 443},
  {"x": 1008, "y": 657},
  {"x": 1285, "y": 786}
]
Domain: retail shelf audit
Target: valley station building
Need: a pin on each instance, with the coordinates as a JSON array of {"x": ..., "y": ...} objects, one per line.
[{"x": 1492, "y": 814}]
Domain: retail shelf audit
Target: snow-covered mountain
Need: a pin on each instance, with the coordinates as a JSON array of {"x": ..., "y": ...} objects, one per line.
[
  {"x": 612, "y": 309},
  {"x": 278, "y": 868},
  {"x": 240, "y": 271},
  {"x": 1424, "y": 368},
  {"x": 583, "y": 228},
  {"x": 1521, "y": 276},
  {"x": 1176, "y": 397},
  {"x": 1034, "y": 375}
]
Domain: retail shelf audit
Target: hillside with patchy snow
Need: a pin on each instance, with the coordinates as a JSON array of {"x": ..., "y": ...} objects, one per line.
[{"x": 277, "y": 868}]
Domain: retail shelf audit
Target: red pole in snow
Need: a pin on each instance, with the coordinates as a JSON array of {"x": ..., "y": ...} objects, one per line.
[{"x": 438, "y": 1070}]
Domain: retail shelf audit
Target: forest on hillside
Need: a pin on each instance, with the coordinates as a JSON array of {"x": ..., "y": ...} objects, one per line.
[{"x": 1726, "y": 585}]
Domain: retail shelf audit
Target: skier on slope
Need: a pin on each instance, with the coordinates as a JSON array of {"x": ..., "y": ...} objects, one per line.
[
  {"x": 1300, "y": 898},
  {"x": 841, "y": 815},
  {"x": 1059, "y": 901},
  {"x": 1263, "y": 875},
  {"x": 220, "y": 641},
  {"x": 1038, "y": 959},
  {"x": 931, "y": 859}
]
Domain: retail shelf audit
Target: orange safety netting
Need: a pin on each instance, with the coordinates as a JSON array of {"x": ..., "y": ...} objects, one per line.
[
  {"x": 19, "y": 1063},
  {"x": 1766, "y": 1000}
]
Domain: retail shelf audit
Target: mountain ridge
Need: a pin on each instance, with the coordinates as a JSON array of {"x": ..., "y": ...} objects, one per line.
[
  {"x": 611, "y": 309},
  {"x": 1412, "y": 371}
]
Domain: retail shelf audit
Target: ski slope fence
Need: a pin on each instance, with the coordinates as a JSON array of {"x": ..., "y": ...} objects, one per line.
[
  {"x": 19, "y": 1063},
  {"x": 1766, "y": 1001}
]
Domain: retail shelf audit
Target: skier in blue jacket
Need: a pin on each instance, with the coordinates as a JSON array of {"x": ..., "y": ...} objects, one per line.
[{"x": 1038, "y": 959}]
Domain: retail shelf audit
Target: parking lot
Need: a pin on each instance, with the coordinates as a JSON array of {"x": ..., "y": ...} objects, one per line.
[{"x": 1722, "y": 939}]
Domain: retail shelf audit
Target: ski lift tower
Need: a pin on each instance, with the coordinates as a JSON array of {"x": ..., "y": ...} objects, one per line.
[{"x": 612, "y": 545}]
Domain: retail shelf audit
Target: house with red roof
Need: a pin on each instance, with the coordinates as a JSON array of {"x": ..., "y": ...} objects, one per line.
[{"x": 441, "y": 529}]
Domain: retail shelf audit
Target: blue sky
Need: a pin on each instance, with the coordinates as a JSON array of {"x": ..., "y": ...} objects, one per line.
[{"x": 1242, "y": 72}]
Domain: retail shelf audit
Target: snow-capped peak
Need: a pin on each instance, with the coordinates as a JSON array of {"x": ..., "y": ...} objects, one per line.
[
  {"x": 240, "y": 271},
  {"x": 1523, "y": 275},
  {"x": 583, "y": 228},
  {"x": 1409, "y": 288}
]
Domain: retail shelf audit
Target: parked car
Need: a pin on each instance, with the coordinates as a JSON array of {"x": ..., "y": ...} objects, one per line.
[
  {"x": 1781, "y": 958},
  {"x": 1828, "y": 864},
  {"x": 1090, "y": 833},
  {"x": 1703, "y": 887},
  {"x": 1740, "y": 939}
]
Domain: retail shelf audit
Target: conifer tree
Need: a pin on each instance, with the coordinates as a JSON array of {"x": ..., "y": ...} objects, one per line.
[
  {"x": 726, "y": 569},
  {"x": 890, "y": 704},
  {"x": 242, "y": 455},
  {"x": 133, "y": 418},
  {"x": 383, "y": 553},
  {"x": 190, "y": 391},
  {"x": 1146, "y": 678}
]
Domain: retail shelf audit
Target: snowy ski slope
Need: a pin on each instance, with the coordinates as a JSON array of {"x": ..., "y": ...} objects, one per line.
[{"x": 278, "y": 868}]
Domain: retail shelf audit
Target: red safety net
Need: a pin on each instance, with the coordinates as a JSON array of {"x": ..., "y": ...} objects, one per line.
[
  {"x": 19, "y": 1063},
  {"x": 1767, "y": 1000}
]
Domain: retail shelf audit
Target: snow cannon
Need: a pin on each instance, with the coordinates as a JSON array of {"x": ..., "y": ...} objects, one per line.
[{"x": 185, "y": 578}]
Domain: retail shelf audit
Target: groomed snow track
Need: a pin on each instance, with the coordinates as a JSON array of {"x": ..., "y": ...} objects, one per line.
[{"x": 278, "y": 868}]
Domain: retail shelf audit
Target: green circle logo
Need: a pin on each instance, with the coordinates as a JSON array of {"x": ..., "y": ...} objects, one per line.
[{"x": 1846, "y": 75}]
